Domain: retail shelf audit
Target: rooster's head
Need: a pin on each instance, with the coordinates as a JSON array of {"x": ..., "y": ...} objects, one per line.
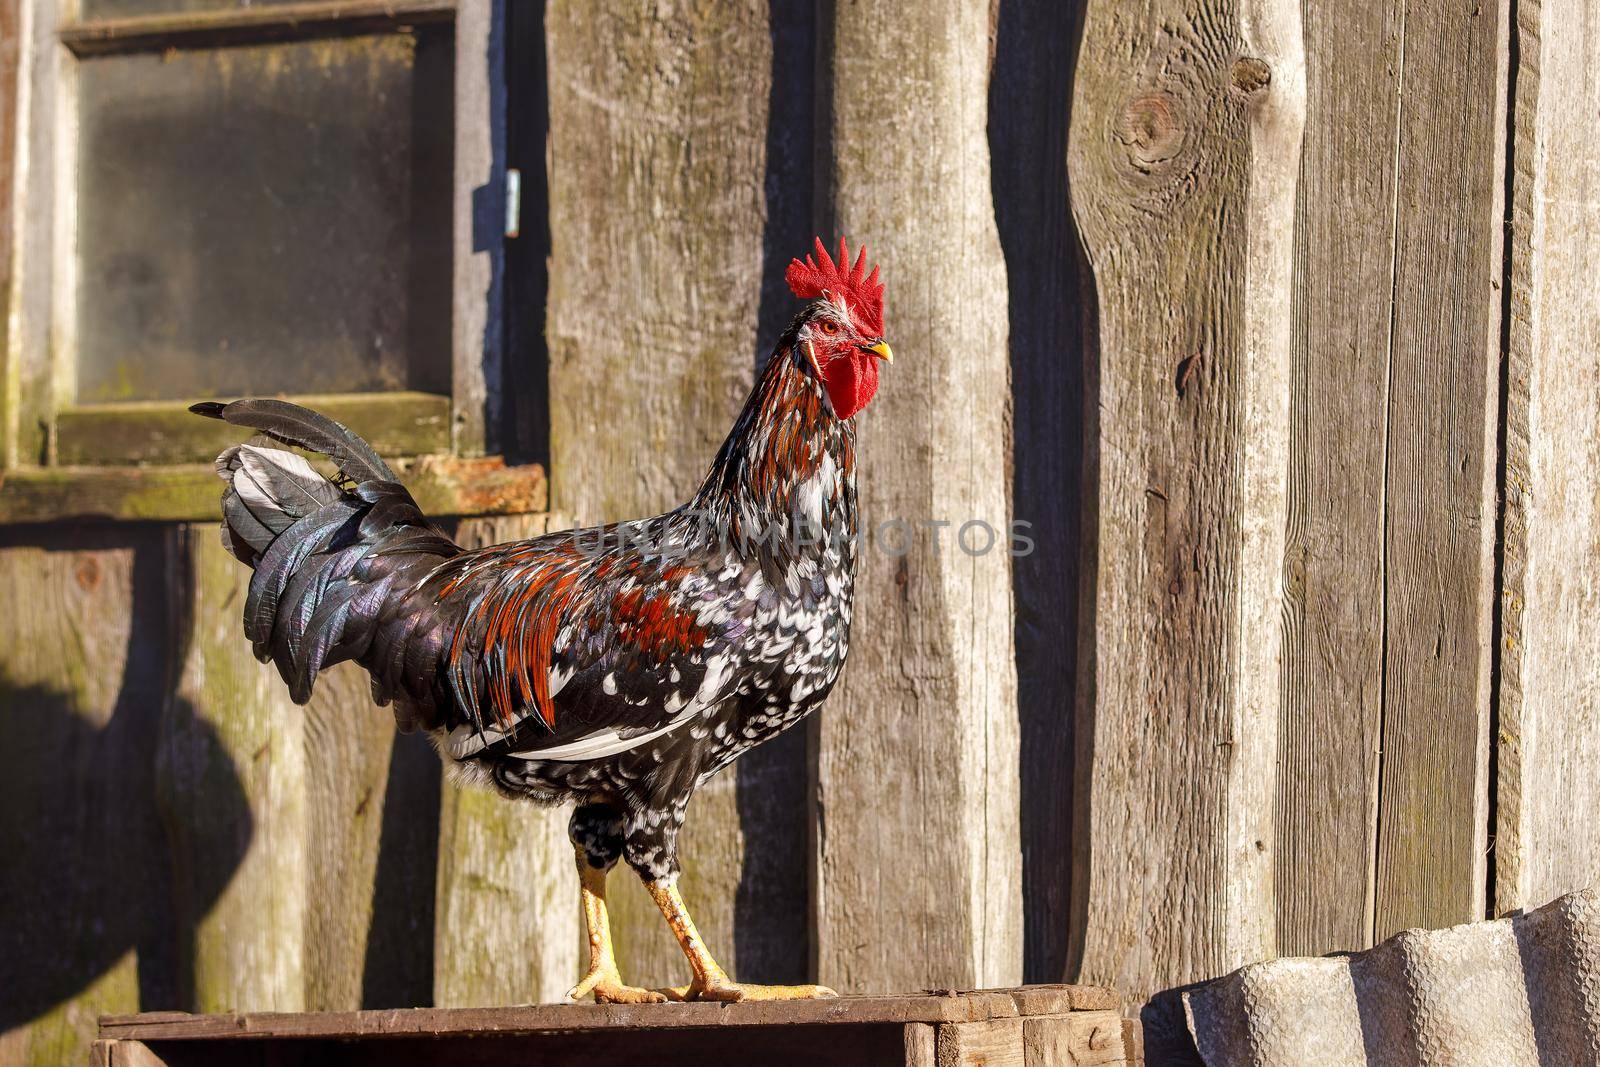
[{"x": 841, "y": 332}]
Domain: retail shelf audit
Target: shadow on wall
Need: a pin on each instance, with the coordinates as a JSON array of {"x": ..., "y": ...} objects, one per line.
[
  {"x": 87, "y": 884},
  {"x": 772, "y": 927},
  {"x": 86, "y": 878},
  {"x": 1051, "y": 320}
]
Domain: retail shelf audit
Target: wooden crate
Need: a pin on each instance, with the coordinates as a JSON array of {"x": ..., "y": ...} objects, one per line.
[{"x": 1034, "y": 1026}]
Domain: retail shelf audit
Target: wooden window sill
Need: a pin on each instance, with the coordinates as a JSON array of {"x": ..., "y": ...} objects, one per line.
[
  {"x": 163, "y": 433},
  {"x": 443, "y": 486},
  {"x": 250, "y": 25}
]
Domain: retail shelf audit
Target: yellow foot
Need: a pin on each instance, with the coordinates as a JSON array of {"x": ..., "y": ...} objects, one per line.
[
  {"x": 607, "y": 988},
  {"x": 726, "y": 990}
]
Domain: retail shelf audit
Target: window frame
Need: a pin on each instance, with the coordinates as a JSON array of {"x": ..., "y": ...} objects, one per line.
[{"x": 149, "y": 460}]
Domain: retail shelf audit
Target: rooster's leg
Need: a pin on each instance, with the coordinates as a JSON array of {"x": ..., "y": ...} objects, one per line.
[
  {"x": 595, "y": 832},
  {"x": 711, "y": 982}
]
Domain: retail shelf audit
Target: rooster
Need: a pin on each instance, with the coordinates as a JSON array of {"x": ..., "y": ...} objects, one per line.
[{"x": 618, "y": 667}]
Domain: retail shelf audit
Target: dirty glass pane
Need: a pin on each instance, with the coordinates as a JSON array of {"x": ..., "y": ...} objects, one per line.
[{"x": 269, "y": 219}]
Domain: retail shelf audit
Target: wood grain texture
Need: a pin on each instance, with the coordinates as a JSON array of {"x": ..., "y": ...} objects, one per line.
[
  {"x": 945, "y": 1006},
  {"x": 348, "y": 743},
  {"x": 478, "y": 222},
  {"x": 193, "y": 29},
  {"x": 167, "y": 432},
  {"x": 1082, "y": 1039},
  {"x": 1548, "y": 744},
  {"x": 1184, "y": 149},
  {"x": 1333, "y": 573},
  {"x": 88, "y": 919},
  {"x": 441, "y": 485},
  {"x": 43, "y": 106},
  {"x": 230, "y": 731},
  {"x": 506, "y": 928},
  {"x": 664, "y": 239},
  {"x": 921, "y": 1045},
  {"x": 918, "y": 866},
  {"x": 1440, "y": 516},
  {"x": 11, "y": 36},
  {"x": 995, "y": 1043}
]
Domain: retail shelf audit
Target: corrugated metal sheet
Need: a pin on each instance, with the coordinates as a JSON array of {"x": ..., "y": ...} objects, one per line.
[{"x": 1504, "y": 993}]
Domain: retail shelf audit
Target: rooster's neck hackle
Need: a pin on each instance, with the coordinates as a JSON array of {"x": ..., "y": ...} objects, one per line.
[{"x": 787, "y": 457}]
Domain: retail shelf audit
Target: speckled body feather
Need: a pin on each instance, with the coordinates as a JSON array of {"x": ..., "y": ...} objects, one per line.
[{"x": 618, "y": 666}]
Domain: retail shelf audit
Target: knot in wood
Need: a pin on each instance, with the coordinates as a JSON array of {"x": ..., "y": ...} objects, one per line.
[
  {"x": 1151, "y": 132},
  {"x": 1250, "y": 74},
  {"x": 87, "y": 573}
]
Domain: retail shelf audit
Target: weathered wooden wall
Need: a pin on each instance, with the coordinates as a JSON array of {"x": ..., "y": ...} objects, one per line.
[
  {"x": 1547, "y": 743},
  {"x": 675, "y": 149},
  {"x": 1184, "y": 150},
  {"x": 1276, "y": 320},
  {"x": 923, "y": 734}
]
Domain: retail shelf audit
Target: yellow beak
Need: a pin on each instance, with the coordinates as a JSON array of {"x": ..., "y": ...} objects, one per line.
[{"x": 882, "y": 350}]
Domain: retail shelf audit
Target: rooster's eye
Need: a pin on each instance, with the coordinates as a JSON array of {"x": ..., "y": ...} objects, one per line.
[{"x": 829, "y": 326}]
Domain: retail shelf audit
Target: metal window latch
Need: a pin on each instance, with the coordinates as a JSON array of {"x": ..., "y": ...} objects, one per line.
[{"x": 513, "y": 202}]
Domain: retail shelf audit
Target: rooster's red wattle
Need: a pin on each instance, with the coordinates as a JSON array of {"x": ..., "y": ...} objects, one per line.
[{"x": 619, "y": 666}]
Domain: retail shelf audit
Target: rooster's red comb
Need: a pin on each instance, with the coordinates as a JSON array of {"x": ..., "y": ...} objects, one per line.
[{"x": 821, "y": 274}]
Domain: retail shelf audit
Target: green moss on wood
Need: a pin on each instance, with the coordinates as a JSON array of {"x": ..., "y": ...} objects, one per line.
[
  {"x": 166, "y": 432},
  {"x": 442, "y": 485}
]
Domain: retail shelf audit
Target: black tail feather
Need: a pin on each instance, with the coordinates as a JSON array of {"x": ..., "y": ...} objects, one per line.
[
  {"x": 331, "y": 560},
  {"x": 292, "y": 424}
]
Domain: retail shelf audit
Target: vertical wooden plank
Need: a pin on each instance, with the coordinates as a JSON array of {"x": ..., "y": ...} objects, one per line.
[
  {"x": 398, "y": 970},
  {"x": 41, "y": 185},
  {"x": 348, "y": 743},
  {"x": 12, "y": 34},
  {"x": 1184, "y": 151},
  {"x": 659, "y": 215},
  {"x": 506, "y": 927},
  {"x": 1548, "y": 743},
  {"x": 1440, "y": 518},
  {"x": 993, "y": 1043},
  {"x": 917, "y": 841},
  {"x": 1029, "y": 90},
  {"x": 83, "y": 658},
  {"x": 478, "y": 223},
  {"x": 921, "y": 1045},
  {"x": 1333, "y": 569},
  {"x": 233, "y": 783},
  {"x": 1081, "y": 1039}
]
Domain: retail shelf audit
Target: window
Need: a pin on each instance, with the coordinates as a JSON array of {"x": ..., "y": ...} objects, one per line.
[{"x": 224, "y": 199}]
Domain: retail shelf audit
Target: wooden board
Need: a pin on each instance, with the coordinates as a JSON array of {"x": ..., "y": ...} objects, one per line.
[
  {"x": 195, "y": 29},
  {"x": 993, "y": 1043},
  {"x": 478, "y": 227},
  {"x": 167, "y": 432},
  {"x": 1327, "y": 791},
  {"x": 11, "y": 32},
  {"x": 1047, "y": 315},
  {"x": 348, "y": 747},
  {"x": 233, "y": 781},
  {"x": 441, "y": 485},
  {"x": 1548, "y": 743},
  {"x": 89, "y": 917},
  {"x": 949, "y": 1006},
  {"x": 1439, "y": 487},
  {"x": 917, "y": 847},
  {"x": 1185, "y": 142},
  {"x": 659, "y": 217},
  {"x": 506, "y": 927},
  {"x": 924, "y": 1030}
]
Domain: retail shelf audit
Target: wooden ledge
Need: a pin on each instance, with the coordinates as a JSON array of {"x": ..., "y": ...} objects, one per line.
[
  {"x": 932, "y": 1007},
  {"x": 444, "y": 486},
  {"x": 1035, "y": 1026}
]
